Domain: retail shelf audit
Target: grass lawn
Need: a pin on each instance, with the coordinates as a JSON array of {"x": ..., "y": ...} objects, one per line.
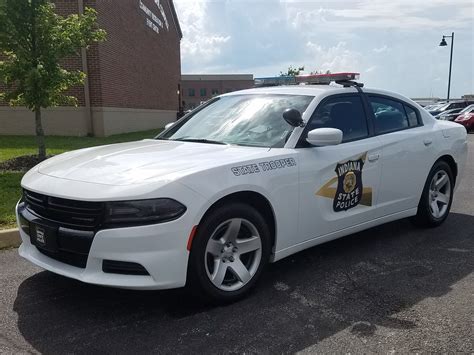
[
  {"x": 15, "y": 146},
  {"x": 10, "y": 193}
]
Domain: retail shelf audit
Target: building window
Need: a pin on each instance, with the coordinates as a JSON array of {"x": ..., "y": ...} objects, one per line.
[
  {"x": 215, "y": 92},
  {"x": 203, "y": 92},
  {"x": 191, "y": 92}
]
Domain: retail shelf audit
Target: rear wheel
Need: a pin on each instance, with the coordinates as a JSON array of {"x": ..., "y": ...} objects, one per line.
[
  {"x": 437, "y": 196},
  {"x": 231, "y": 247}
]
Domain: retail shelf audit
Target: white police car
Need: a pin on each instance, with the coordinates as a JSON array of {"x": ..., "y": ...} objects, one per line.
[{"x": 248, "y": 178}]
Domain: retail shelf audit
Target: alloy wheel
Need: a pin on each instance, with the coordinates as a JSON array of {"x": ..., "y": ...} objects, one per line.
[
  {"x": 233, "y": 254},
  {"x": 439, "y": 194}
]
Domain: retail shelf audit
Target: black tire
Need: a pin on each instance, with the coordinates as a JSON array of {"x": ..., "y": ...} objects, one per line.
[
  {"x": 198, "y": 279},
  {"x": 424, "y": 216}
]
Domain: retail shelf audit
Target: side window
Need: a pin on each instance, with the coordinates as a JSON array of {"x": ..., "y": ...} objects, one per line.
[
  {"x": 389, "y": 115},
  {"x": 345, "y": 113},
  {"x": 458, "y": 105},
  {"x": 412, "y": 116}
]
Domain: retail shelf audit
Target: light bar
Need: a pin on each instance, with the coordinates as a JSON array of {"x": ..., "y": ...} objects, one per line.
[
  {"x": 311, "y": 79},
  {"x": 326, "y": 78},
  {"x": 275, "y": 81}
]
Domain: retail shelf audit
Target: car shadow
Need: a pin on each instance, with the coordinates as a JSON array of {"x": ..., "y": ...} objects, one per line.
[{"x": 358, "y": 282}]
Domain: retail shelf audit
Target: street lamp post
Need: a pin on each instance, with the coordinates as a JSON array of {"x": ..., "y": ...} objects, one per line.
[{"x": 443, "y": 44}]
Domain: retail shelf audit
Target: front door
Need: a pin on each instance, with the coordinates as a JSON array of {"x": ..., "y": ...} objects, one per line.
[{"x": 339, "y": 184}]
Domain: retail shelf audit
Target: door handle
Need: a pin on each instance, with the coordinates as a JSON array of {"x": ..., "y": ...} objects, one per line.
[
  {"x": 427, "y": 142},
  {"x": 374, "y": 157}
]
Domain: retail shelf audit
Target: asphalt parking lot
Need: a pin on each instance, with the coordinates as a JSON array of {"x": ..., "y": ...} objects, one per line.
[{"x": 394, "y": 288}]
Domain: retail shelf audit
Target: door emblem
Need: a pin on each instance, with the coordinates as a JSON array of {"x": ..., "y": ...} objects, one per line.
[
  {"x": 350, "y": 191},
  {"x": 40, "y": 236}
]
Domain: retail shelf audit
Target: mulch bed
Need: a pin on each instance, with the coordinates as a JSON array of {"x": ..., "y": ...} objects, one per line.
[{"x": 23, "y": 163}]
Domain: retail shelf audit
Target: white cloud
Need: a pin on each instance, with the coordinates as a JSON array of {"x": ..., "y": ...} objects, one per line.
[
  {"x": 402, "y": 14},
  {"x": 371, "y": 69},
  {"x": 335, "y": 58},
  {"x": 382, "y": 49},
  {"x": 198, "y": 43},
  {"x": 389, "y": 42}
]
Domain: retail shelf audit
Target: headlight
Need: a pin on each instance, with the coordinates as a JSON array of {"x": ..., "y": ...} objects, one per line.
[{"x": 143, "y": 211}]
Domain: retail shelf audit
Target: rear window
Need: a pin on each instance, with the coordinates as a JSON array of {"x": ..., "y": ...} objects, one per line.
[{"x": 412, "y": 116}]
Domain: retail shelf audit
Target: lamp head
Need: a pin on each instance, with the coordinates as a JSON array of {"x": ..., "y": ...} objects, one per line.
[{"x": 443, "y": 43}]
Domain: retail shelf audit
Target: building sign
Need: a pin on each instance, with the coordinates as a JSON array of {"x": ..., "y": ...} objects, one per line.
[{"x": 152, "y": 20}]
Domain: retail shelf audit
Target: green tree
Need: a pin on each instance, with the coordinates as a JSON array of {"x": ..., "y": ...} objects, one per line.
[
  {"x": 292, "y": 71},
  {"x": 34, "y": 41}
]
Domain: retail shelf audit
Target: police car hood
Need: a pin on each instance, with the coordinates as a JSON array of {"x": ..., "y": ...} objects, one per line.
[{"x": 143, "y": 161}]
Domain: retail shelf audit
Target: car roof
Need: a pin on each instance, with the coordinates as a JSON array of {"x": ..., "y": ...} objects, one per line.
[
  {"x": 317, "y": 91},
  {"x": 308, "y": 90}
]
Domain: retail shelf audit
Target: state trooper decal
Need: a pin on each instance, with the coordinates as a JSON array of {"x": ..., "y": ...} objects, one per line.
[{"x": 350, "y": 190}]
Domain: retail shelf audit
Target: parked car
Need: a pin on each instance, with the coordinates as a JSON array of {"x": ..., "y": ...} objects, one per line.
[
  {"x": 433, "y": 106},
  {"x": 248, "y": 178},
  {"x": 449, "y": 106},
  {"x": 466, "y": 118},
  {"x": 449, "y": 115}
]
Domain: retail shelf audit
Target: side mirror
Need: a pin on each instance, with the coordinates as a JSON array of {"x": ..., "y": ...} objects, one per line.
[
  {"x": 293, "y": 117},
  {"x": 321, "y": 137},
  {"x": 169, "y": 125}
]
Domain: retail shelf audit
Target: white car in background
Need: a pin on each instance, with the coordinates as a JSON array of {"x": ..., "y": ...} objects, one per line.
[{"x": 248, "y": 178}]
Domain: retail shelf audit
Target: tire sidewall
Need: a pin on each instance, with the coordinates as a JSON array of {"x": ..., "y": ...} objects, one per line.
[{"x": 197, "y": 275}]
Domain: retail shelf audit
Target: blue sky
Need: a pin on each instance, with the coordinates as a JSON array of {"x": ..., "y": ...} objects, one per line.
[{"x": 393, "y": 44}]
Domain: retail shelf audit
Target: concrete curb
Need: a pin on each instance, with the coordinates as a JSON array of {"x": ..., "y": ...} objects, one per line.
[{"x": 9, "y": 238}]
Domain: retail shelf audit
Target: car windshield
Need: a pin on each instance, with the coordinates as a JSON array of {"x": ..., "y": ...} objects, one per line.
[
  {"x": 439, "y": 107},
  {"x": 443, "y": 107},
  {"x": 451, "y": 111},
  {"x": 470, "y": 108},
  {"x": 248, "y": 119}
]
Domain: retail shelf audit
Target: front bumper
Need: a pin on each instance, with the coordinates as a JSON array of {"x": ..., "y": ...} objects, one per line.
[{"x": 160, "y": 249}]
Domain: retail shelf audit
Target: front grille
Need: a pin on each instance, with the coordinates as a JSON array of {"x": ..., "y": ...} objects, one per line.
[{"x": 74, "y": 214}]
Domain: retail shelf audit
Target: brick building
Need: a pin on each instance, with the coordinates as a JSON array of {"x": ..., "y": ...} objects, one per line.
[
  {"x": 197, "y": 88},
  {"x": 132, "y": 78}
]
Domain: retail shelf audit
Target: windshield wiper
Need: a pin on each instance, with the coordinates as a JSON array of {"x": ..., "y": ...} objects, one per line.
[{"x": 199, "y": 140}]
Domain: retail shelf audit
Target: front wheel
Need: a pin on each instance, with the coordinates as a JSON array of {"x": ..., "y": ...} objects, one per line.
[
  {"x": 231, "y": 247},
  {"x": 437, "y": 196}
]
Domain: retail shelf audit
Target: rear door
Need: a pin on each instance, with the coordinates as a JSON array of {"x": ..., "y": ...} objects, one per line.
[
  {"x": 407, "y": 153},
  {"x": 338, "y": 184}
]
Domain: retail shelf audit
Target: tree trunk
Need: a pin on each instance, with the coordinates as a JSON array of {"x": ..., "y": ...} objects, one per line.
[{"x": 40, "y": 134}]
